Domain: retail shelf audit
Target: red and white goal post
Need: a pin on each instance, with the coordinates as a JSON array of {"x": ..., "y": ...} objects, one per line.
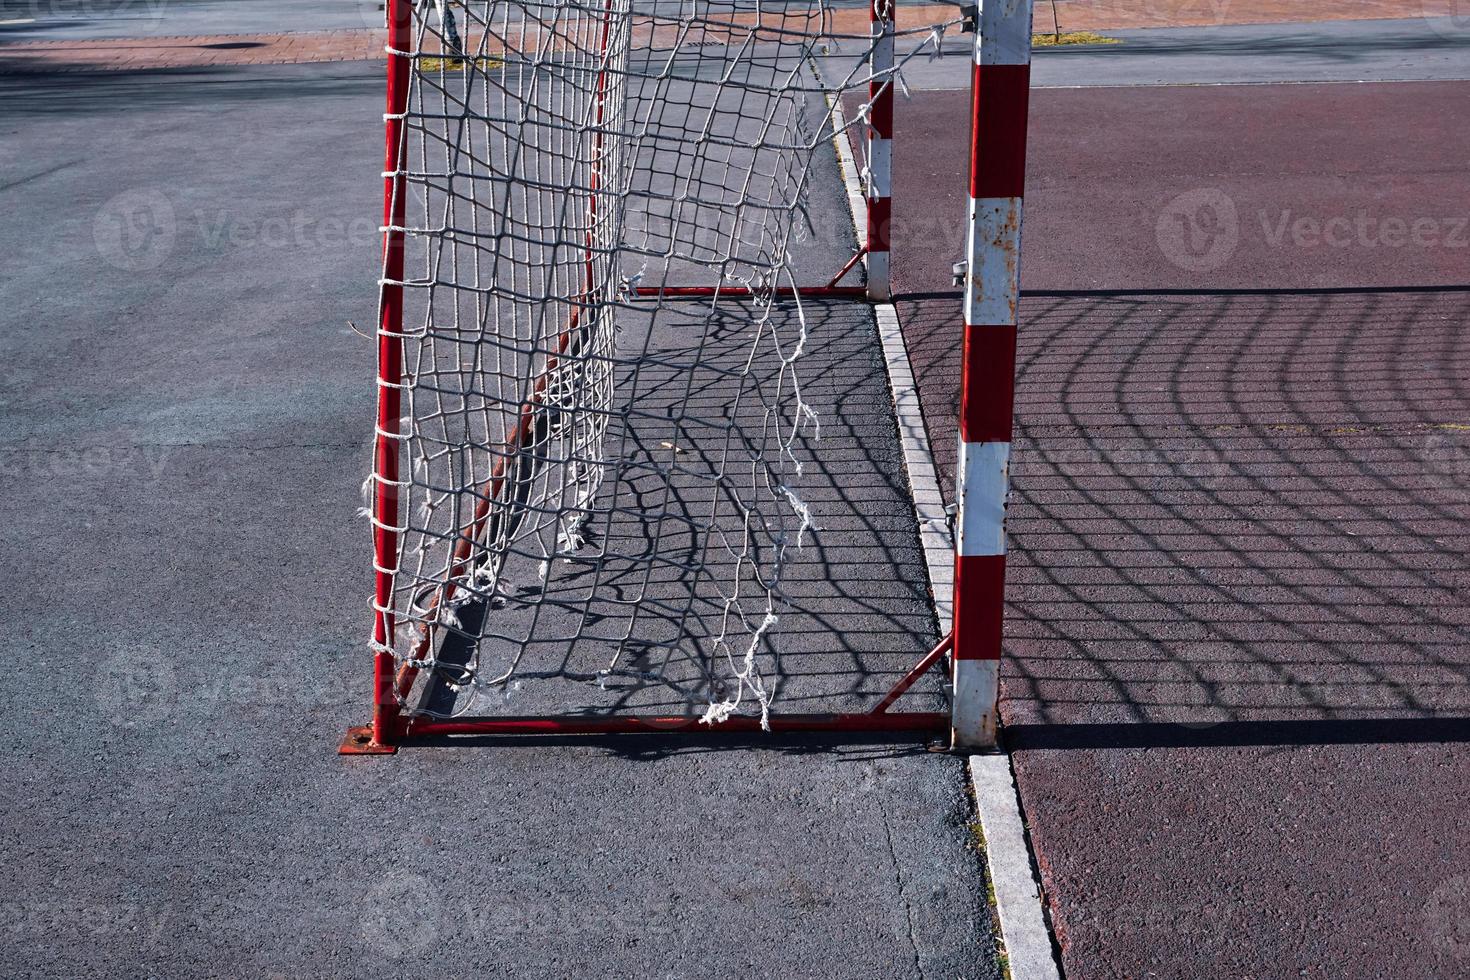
[{"x": 595, "y": 436}]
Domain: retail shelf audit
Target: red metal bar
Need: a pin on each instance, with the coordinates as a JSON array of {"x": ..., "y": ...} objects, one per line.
[
  {"x": 390, "y": 373},
  {"x": 856, "y": 258},
  {"x": 880, "y": 148},
  {"x": 525, "y": 426},
  {"x": 930, "y": 722},
  {"x": 930, "y": 659},
  {"x": 817, "y": 292}
]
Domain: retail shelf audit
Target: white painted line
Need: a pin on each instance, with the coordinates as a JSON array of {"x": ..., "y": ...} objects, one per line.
[
  {"x": 923, "y": 478},
  {"x": 919, "y": 461},
  {"x": 1022, "y": 924},
  {"x": 1017, "y": 894},
  {"x": 847, "y": 165}
]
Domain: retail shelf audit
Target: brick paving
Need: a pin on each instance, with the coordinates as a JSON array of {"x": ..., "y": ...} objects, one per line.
[
  {"x": 366, "y": 45},
  {"x": 124, "y": 54}
]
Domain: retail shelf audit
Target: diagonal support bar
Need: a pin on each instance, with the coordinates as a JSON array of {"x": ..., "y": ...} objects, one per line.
[{"x": 930, "y": 659}]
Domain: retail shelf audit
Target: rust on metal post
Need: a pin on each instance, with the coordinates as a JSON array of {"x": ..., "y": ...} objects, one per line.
[{"x": 359, "y": 741}]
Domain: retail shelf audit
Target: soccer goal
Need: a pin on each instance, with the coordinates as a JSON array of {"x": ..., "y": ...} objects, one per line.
[{"x": 636, "y": 465}]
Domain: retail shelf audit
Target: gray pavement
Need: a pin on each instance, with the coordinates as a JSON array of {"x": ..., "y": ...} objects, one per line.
[
  {"x": 67, "y": 20},
  {"x": 185, "y": 583},
  {"x": 1420, "y": 49}
]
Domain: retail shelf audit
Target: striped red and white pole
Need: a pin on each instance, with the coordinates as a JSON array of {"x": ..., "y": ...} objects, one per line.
[
  {"x": 1000, "y": 87},
  {"x": 390, "y": 375},
  {"x": 880, "y": 149}
]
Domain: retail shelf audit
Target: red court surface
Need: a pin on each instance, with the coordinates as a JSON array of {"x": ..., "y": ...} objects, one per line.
[{"x": 1238, "y": 642}]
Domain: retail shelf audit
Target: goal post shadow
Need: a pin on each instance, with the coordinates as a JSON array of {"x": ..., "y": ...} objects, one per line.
[{"x": 968, "y": 652}]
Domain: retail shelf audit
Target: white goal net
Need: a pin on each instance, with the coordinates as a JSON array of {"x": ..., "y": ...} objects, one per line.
[{"x": 602, "y": 479}]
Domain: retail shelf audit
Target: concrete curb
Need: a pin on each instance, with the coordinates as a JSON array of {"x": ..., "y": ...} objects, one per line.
[
  {"x": 1013, "y": 880},
  {"x": 1022, "y": 926}
]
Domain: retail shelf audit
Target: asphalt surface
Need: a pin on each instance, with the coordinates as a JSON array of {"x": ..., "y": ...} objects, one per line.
[
  {"x": 1207, "y": 188},
  {"x": 65, "y": 20},
  {"x": 1416, "y": 49},
  {"x": 187, "y": 415},
  {"x": 1238, "y": 649}
]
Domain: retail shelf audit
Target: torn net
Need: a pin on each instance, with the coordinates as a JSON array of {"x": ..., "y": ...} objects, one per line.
[{"x": 598, "y": 483}]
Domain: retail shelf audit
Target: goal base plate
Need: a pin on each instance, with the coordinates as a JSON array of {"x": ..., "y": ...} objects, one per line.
[{"x": 359, "y": 741}]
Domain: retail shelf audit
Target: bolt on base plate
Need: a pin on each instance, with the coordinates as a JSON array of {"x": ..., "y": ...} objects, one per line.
[{"x": 359, "y": 741}]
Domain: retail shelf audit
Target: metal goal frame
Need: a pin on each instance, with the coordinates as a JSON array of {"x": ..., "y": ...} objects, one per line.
[{"x": 990, "y": 273}]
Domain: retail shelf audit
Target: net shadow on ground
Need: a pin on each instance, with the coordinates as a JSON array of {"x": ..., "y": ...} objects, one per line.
[
  {"x": 668, "y": 498},
  {"x": 855, "y": 613},
  {"x": 1235, "y": 516}
]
